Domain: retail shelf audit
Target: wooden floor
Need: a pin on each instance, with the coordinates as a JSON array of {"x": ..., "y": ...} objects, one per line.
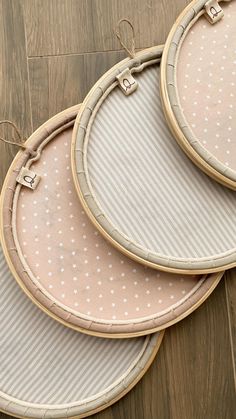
[{"x": 52, "y": 51}]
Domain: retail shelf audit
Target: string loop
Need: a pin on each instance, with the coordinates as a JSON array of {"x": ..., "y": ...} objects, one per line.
[
  {"x": 20, "y": 138},
  {"x": 130, "y": 52}
]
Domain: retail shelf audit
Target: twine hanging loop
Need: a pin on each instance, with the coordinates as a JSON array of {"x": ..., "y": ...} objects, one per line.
[
  {"x": 130, "y": 51},
  {"x": 21, "y": 140}
]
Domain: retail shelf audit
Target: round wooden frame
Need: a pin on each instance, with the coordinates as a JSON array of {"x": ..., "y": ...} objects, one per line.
[
  {"x": 130, "y": 248},
  {"x": 133, "y": 372},
  {"x": 175, "y": 119},
  {"x": 38, "y": 294}
]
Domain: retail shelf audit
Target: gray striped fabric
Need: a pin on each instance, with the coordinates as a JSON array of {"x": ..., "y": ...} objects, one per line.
[
  {"x": 147, "y": 187},
  {"x": 43, "y": 362}
]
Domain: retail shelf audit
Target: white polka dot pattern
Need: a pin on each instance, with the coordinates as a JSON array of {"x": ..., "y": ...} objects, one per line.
[
  {"x": 72, "y": 261},
  {"x": 206, "y": 82}
]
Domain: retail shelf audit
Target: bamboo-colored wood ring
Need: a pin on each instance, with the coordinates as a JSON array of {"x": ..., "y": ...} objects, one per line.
[
  {"x": 62, "y": 373},
  {"x": 190, "y": 64},
  {"x": 130, "y": 199},
  {"x": 43, "y": 238}
]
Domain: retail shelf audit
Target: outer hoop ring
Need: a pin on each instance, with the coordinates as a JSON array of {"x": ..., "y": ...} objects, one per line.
[
  {"x": 170, "y": 115},
  {"x": 119, "y": 242},
  {"x": 81, "y": 407},
  {"x": 215, "y": 278}
]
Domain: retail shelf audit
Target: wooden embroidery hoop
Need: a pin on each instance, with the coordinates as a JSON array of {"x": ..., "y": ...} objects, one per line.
[
  {"x": 84, "y": 121},
  {"x": 37, "y": 292},
  {"x": 23, "y": 406},
  {"x": 174, "y": 116}
]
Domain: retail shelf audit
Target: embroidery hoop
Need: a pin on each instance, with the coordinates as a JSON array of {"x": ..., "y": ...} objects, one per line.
[
  {"x": 176, "y": 119},
  {"x": 42, "y": 332},
  {"x": 198, "y": 289},
  {"x": 98, "y": 213}
]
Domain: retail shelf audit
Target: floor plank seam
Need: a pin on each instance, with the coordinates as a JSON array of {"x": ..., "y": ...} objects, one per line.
[
  {"x": 230, "y": 328},
  {"x": 31, "y": 57}
]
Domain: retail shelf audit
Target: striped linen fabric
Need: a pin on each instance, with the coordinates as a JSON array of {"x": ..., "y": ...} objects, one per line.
[
  {"x": 44, "y": 363},
  {"x": 147, "y": 187}
]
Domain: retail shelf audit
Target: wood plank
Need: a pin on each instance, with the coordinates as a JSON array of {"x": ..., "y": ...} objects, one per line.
[
  {"x": 69, "y": 26},
  {"x": 14, "y": 92},
  {"x": 199, "y": 364},
  {"x": 230, "y": 284},
  {"x": 59, "y": 82}
]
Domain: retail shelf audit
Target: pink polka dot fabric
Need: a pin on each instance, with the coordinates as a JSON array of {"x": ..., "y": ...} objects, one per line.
[
  {"x": 206, "y": 84},
  {"x": 76, "y": 274},
  {"x": 70, "y": 258}
]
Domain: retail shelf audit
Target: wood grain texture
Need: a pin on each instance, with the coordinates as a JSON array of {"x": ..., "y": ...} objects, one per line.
[
  {"x": 14, "y": 89},
  {"x": 230, "y": 284},
  {"x": 193, "y": 375},
  {"x": 87, "y": 25},
  {"x": 75, "y": 75}
]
